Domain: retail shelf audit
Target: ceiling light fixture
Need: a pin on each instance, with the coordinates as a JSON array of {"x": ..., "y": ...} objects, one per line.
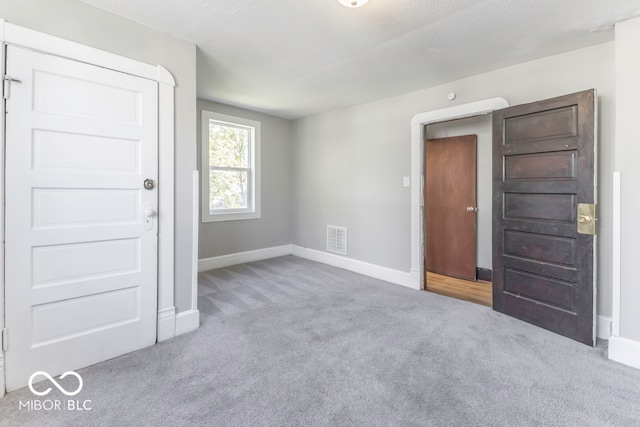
[{"x": 353, "y": 3}]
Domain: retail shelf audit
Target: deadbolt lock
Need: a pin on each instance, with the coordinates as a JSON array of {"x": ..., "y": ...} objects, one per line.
[{"x": 586, "y": 218}]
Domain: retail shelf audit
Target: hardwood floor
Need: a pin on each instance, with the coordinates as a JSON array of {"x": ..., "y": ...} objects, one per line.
[{"x": 478, "y": 292}]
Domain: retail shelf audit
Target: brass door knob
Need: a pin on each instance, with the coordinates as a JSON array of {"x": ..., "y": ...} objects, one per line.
[{"x": 584, "y": 219}]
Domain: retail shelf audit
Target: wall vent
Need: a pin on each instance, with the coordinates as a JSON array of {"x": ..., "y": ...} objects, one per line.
[{"x": 337, "y": 239}]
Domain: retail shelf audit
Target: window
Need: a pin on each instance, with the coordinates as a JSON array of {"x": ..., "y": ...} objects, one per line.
[{"x": 230, "y": 168}]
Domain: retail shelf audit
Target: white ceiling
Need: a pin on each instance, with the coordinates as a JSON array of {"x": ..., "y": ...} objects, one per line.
[{"x": 294, "y": 58}]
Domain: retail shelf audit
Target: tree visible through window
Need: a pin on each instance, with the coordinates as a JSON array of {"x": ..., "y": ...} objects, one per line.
[{"x": 230, "y": 167}]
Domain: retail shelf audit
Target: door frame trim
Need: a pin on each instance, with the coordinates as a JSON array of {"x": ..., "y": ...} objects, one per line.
[
  {"x": 418, "y": 123},
  {"x": 24, "y": 37}
]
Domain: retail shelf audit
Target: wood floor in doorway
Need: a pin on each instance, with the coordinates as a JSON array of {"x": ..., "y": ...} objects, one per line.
[{"x": 478, "y": 292}]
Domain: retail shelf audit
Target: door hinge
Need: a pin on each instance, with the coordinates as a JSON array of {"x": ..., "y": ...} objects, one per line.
[
  {"x": 7, "y": 85},
  {"x": 5, "y": 339}
]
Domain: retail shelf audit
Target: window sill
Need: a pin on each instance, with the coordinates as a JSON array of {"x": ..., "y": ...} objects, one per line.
[{"x": 236, "y": 216}]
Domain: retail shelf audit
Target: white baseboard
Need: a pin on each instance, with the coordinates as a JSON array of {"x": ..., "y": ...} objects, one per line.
[
  {"x": 2, "y": 384},
  {"x": 171, "y": 324},
  {"x": 166, "y": 324},
  {"x": 242, "y": 257},
  {"x": 410, "y": 280},
  {"x": 625, "y": 351},
  {"x": 187, "y": 321},
  {"x": 603, "y": 327}
]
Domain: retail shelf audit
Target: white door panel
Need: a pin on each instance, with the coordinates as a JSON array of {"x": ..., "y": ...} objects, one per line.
[
  {"x": 58, "y": 320},
  {"x": 80, "y": 207},
  {"x": 81, "y": 257},
  {"x": 93, "y": 154},
  {"x": 74, "y": 95}
]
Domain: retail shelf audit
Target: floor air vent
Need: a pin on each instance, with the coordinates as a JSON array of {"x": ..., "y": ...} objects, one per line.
[{"x": 337, "y": 239}]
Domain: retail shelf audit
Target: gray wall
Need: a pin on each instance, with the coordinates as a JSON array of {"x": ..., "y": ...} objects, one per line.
[
  {"x": 73, "y": 20},
  {"x": 480, "y": 126},
  {"x": 348, "y": 164},
  {"x": 627, "y": 157},
  {"x": 348, "y": 169},
  {"x": 273, "y": 228}
]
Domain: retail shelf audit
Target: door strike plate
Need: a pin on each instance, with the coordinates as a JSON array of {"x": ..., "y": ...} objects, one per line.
[{"x": 586, "y": 218}]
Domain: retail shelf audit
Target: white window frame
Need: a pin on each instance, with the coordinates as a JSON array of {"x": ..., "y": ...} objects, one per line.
[{"x": 253, "y": 210}]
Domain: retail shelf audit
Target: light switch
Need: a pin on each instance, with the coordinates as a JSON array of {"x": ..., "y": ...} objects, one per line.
[{"x": 406, "y": 182}]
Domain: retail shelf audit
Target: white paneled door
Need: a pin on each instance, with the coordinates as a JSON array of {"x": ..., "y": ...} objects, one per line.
[{"x": 81, "y": 228}]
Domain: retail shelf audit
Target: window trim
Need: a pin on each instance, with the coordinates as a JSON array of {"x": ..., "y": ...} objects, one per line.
[{"x": 253, "y": 173}]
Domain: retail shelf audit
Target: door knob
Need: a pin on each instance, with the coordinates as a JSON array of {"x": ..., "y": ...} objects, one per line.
[
  {"x": 149, "y": 213},
  {"x": 472, "y": 209},
  {"x": 584, "y": 219},
  {"x": 149, "y": 184}
]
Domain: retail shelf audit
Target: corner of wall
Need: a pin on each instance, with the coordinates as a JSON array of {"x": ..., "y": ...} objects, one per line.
[
  {"x": 410, "y": 280},
  {"x": 206, "y": 264},
  {"x": 603, "y": 327}
]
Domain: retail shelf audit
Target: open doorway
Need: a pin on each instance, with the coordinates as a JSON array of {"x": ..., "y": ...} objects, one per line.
[
  {"x": 458, "y": 244},
  {"x": 544, "y": 256}
]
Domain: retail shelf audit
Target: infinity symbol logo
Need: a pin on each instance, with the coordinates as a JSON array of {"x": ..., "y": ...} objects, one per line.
[{"x": 47, "y": 391}]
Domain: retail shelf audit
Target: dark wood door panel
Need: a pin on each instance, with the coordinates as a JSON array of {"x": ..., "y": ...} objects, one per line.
[
  {"x": 550, "y": 317},
  {"x": 541, "y": 146},
  {"x": 539, "y": 247},
  {"x": 542, "y": 289},
  {"x": 555, "y": 207},
  {"x": 548, "y": 165},
  {"x": 548, "y": 123},
  {"x": 568, "y": 274},
  {"x": 543, "y": 167},
  {"x": 556, "y": 228},
  {"x": 541, "y": 187}
]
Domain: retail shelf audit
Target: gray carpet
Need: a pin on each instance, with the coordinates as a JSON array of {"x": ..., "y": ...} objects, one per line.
[{"x": 289, "y": 342}]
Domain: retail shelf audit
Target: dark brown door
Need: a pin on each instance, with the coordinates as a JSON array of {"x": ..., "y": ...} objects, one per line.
[
  {"x": 450, "y": 200},
  {"x": 543, "y": 162}
]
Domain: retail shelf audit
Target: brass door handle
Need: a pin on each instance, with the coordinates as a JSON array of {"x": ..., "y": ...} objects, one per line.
[{"x": 584, "y": 219}]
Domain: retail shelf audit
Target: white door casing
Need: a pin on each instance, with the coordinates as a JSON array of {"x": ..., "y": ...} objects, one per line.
[
  {"x": 81, "y": 249},
  {"x": 418, "y": 122}
]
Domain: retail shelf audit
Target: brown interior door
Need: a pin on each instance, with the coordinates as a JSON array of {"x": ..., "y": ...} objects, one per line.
[
  {"x": 543, "y": 168},
  {"x": 450, "y": 206}
]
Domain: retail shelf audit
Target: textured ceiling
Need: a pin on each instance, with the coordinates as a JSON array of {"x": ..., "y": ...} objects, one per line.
[{"x": 293, "y": 58}]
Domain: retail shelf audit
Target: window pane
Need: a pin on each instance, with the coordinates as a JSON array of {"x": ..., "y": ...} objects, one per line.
[
  {"x": 227, "y": 190},
  {"x": 228, "y": 145}
]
